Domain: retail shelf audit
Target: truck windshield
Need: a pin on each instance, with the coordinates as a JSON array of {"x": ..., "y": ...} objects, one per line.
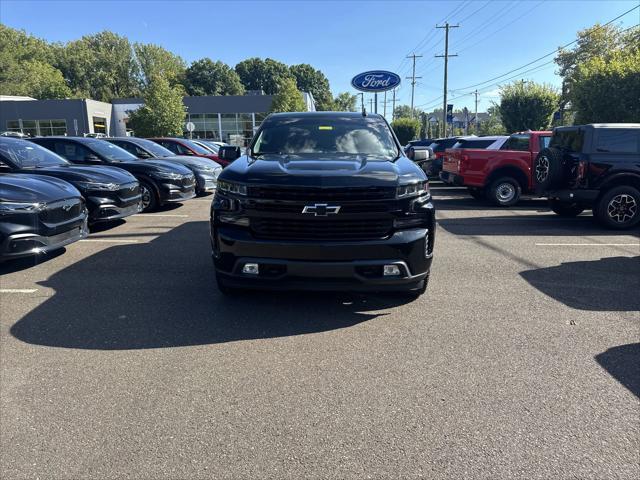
[{"x": 327, "y": 137}]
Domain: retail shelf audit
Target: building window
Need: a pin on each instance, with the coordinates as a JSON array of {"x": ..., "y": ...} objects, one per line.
[{"x": 52, "y": 127}]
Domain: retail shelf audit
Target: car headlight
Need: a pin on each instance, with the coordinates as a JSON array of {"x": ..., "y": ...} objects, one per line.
[
  {"x": 111, "y": 187},
  {"x": 10, "y": 208},
  {"x": 413, "y": 189},
  {"x": 230, "y": 187},
  {"x": 166, "y": 175}
]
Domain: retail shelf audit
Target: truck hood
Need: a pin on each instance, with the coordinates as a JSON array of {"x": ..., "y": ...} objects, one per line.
[
  {"x": 313, "y": 172},
  {"x": 34, "y": 188},
  {"x": 77, "y": 173}
]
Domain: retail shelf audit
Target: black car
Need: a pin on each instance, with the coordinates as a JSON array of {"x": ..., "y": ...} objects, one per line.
[
  {"x": 593, "y": 166},
  {"x": 38, "y": 214},
  {"x": 322, "y": 201},
  {"x": 205, "y": 171},
  {"x": 439, "y": 146},
  {"x": 160, "y": 181},
  {"x": 110, "y": 192}
]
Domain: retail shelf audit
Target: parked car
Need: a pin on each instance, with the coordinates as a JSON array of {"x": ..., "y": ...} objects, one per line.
[
  {"x": 160, "y": 181},
  {"x": 426, "y": 142},
  {"x": 38, "y": 214},
  {"x": 13, "y": 134},
  {"x": 207, "y": 146},
  {"x": 593, "y": 166},
  {"x": 322, "y": 201},
  {"x": 501, "y": 176},
  {"x": 110, "y": 193},
  {"x": 205, "y": 171},
  {"x": 439, "y": 146},
  {"x": 183, "y": 146}
]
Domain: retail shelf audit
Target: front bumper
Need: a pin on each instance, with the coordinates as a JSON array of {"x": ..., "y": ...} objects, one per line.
[
  {"x": 29, "y": 244},
  {"x": 102, "y": 210},
  {"x": 310, "y": 265},
  {"x": 176, "y": 193},
  {"x": 205, "y": 183}
]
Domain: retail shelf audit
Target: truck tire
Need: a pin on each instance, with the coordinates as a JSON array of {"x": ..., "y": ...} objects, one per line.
[
  {"x": 547, "y": 169},
  {"x": 566, "y": 210},
  {"x": 618, "y": 208},
  {"x": 477, "y": 193},
  {"x": 504, "y": 192}
]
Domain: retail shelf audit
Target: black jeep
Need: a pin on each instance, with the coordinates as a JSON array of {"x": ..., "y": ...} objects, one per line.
[{"x": 593, "y": 166}]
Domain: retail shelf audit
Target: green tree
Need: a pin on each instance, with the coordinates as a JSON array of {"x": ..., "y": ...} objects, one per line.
[
  {"x": 493, "y": 125},
  {"x": 602, "y": 42},
  {"x": 258, "y": 74},
  {"x": 527, "y": 105},
  {"x": 607, "y": 89},
  {"x": 404, "y": 111},
  {"x": 345, "y": 102},
  {"x": 155, "y": 60},
  {"x": 406, "y": 129},
  {"x": 100, "y": 66},
  {"x": 25, "y": 66},
  {"x": 163, "y": 112},
  {"x": 36, "y": 79},
  {"x": 313, "y": 81},
  {"x": 206, "y": 77},
  {"x": 288, "y": 98}
]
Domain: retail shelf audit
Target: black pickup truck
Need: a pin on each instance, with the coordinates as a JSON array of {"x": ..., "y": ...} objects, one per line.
[
  {"x": 322, "y": 201},
  {"x": 593, "y": 166}
]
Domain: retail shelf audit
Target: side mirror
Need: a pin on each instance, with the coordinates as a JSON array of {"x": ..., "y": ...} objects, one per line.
[
  {"x": 90, "y": 157},
  {"x": 229, "y": 153},
  {"x": 144, "y": 155},
  {"x": 420, "y": 155}
]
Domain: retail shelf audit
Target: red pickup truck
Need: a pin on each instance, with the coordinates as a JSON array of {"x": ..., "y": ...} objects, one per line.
[{"x": 500, "y": 176}]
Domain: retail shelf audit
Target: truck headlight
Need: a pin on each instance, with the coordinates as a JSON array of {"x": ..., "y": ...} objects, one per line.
[
  {"x": 413, "y": 189},
  {"x": 230, "y": 187},
  {"x": 11, "y": 208}
]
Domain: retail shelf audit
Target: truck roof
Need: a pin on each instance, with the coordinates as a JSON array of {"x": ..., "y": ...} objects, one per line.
[{"x": 600, "y": 125}]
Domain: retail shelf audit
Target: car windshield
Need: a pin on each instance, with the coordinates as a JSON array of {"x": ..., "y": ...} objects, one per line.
[
  {"x": 327, "y": 137},
  {"x": 110, "y": 151},
  {"x": 155, "y": 149},
  {"x": 25, "y": 154},
  {"x": 195, "y": 147}
]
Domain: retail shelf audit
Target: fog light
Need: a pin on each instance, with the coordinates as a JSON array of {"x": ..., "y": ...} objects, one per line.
[
  {"x": 251, "y": 268},
  {"x": 391, "y": 271}
]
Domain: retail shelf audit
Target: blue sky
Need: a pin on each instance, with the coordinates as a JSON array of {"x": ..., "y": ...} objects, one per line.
[{"x": 342, "y": 38}]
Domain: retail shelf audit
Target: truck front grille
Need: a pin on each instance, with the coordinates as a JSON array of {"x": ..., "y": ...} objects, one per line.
[
  {"x": 320, "y": 228},
  {"x": 324, "y": 194}
]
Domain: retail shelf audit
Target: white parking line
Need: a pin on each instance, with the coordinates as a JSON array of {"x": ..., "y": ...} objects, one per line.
[
  {"x": 108, "y": 240},
  {"x": 18, "y": 290},
  {"x": 588, "y": 244}
]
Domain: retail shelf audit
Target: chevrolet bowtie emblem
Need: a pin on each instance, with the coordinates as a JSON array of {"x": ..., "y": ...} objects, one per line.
[{"x": 321, "y": 209}]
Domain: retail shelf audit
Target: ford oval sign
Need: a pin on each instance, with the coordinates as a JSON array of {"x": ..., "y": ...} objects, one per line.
[{"x": 375, "y": 81}]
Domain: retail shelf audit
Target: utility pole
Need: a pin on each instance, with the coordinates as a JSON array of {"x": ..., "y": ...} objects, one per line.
[
  {"x": 370, "y": 105},
  {"x": 384, "y": 103},
  {"x": 393, "y": 112},
  {"x": 413, "y": 78},
  {"x": 446, "y": 64},
  {"x": 475, "y": 118}
]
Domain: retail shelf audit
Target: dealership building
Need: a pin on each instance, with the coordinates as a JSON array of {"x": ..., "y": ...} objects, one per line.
[{"x": 229, "y": 118}]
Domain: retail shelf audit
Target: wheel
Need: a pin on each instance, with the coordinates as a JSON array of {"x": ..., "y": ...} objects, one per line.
[
  {"x": 618, "y": 208},
  {"x": 504, "y": 192},
  {"x": 547, "y": 169},
  {"x": 477, "y": 193},
  {"x": 149, "y": 198},
  {"x": 565, "y": 209}
]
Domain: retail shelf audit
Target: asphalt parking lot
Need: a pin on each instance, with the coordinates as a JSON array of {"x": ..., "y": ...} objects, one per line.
[{"x": 119, "y": 359}]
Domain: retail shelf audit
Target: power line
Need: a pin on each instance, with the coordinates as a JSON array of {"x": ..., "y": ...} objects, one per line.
[{"x": 547, "y": 55}]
